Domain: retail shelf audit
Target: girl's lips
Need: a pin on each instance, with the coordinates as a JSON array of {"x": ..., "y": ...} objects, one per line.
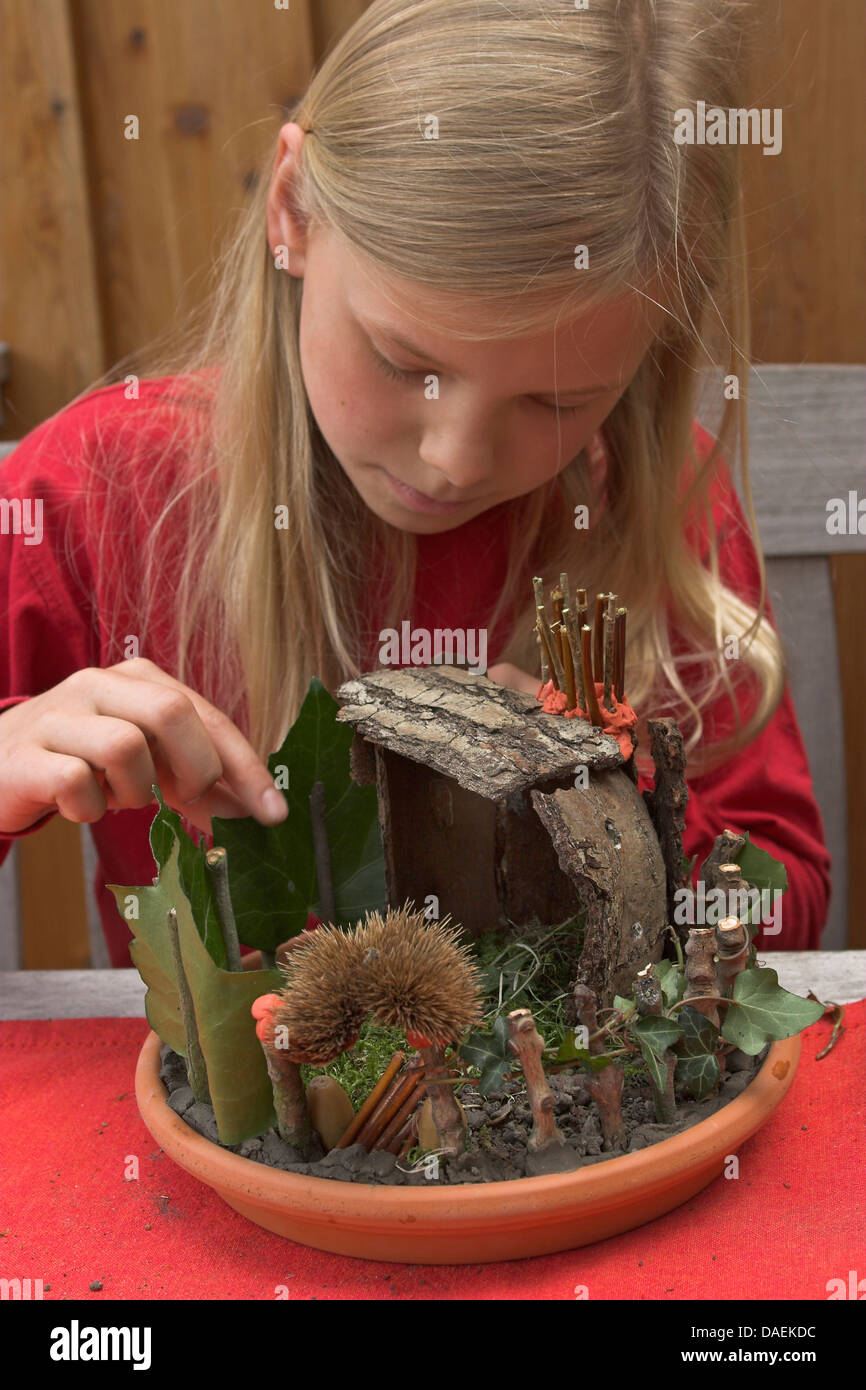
[{"x": 418, "y": 501}]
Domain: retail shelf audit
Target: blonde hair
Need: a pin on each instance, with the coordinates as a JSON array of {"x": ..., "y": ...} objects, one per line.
[{"x": 555, "y": 128}]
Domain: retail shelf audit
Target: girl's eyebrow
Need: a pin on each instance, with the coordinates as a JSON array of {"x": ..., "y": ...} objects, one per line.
[{"x": 399, "y": 341}]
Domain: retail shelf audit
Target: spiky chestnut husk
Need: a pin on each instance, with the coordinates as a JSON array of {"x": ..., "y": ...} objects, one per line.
[
  {"x": 322, "y": 1002},
  {"x": 421, "y": 978}
]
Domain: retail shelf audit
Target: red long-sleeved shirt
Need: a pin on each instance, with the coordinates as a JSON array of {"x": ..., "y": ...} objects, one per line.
[{"x": 49, "y": 628}]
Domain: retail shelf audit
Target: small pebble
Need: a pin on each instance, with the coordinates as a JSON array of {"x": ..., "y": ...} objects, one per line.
[{"x": 96, "y": 1286}]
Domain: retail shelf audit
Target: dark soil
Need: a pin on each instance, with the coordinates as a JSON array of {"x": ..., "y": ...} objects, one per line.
[{"x": 498, "y": 1129}]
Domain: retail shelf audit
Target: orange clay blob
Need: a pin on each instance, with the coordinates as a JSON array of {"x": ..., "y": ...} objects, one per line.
[{"x": 617, "y": 721}]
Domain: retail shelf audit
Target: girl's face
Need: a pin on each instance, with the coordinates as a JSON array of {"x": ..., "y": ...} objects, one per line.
[{"x": 432, "y": 430}]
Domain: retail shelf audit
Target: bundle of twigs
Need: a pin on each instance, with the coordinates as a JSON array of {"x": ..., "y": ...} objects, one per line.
[{"x": 574, "y": 655}]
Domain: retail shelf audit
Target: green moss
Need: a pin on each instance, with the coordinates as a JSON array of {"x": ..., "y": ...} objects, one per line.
[{"x": 360, "y": 1068}]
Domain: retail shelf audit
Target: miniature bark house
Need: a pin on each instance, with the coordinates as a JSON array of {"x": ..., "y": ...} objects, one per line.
[{"x": 482, "y": 805}]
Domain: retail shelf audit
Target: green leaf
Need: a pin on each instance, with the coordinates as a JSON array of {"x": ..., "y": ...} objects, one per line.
[
  {"x": 568, "y": 1051},
  {"x": 698, "y": 1075},
  {"x": 688, "y": 865},
  {"x": 698, "y": 1069},
  {"x": 699, "y": 1034},
  {"x": 657, "y": 1072},
  {"x": 491, "y": 1053},
  {"x": 672, "y": 981},
  {"x": 625, "y": 1006},
  {"x": 272, "y": 869},
  {"x": 236, "y": 1068},
  {"x": 237, "y": 1073},
  {"x": 150, "y": 948},
  {"x": 760, "y": 869},
  {"x": 654, "y": 1035},
  {"x": 761, "y": 1011},
  {"x": 195, "y": 880},
  {"x": 657, "y": 1032}
]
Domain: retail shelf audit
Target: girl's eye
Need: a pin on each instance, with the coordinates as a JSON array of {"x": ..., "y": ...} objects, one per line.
[
  {"x": 400, "y": 374},
  {"x": 564, "y": 409},
  {"x": 395, "y": 373}
]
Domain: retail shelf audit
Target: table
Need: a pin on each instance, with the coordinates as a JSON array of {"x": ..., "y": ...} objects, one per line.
[{"x": 90, "y": 1200}]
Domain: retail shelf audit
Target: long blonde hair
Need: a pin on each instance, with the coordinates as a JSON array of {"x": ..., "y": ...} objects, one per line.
[{"x": 555, "y": 128}]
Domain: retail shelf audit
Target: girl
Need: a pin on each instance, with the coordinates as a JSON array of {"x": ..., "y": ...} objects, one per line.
[{"x": 465, "y": 315}]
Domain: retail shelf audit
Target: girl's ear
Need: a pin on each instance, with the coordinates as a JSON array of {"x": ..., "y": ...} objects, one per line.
[{"x": 286, "y": 231}]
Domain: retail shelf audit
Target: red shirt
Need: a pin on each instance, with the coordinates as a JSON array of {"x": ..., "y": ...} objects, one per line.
[{"x": 49, "y": 628}]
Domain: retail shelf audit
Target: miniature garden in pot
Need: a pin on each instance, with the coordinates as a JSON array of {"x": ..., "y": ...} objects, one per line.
[{"x": 501, "y": 1034}]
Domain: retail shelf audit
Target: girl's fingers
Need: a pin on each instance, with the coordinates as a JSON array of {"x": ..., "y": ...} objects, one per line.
[
  {"x": 46, "y": 781},
  {"x": 114, "y": 747},
  {"x": 186, "y": 733}
]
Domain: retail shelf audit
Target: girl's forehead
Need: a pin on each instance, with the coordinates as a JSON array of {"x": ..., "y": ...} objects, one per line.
[{"x": 421, "y": 317}]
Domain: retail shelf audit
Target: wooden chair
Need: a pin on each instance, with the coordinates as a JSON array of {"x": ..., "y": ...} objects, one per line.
[{"x": 807, "y": 427}]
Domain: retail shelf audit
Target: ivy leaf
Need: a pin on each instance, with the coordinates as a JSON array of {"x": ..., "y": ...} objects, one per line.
[
  {"x": 698, "y": 1075},
  {"x": 657, "y": 1072},
  {"x": 491, "y": 1053},
  {"x": 657, "y": 1032},
  {"x": 698, "y": 1068},
  {"x": 699, "y": 1033},
  {"x": 625, "y": 1006},
  {"x": 672, "y": 981},
  {"x": 760, "y": 868},
  {"x": 654, "y": 1035},
  {"x": 272, "y": 869},
  {"x": 761, "y": 1011},
  {"x": 567, "y": 1051}
]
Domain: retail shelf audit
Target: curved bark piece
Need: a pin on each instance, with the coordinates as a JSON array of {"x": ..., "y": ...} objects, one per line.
[
  {"x": 605, "y": 843},
  {"x": 667, "y": 802}
]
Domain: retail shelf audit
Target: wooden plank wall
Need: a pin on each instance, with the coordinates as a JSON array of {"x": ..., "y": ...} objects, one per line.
[{"x": 103, "y": 239}]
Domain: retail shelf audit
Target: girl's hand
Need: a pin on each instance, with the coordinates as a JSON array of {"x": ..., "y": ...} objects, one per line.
[
  {"x": 97, "y": 741},
  {"x": 506, "y": 674}
]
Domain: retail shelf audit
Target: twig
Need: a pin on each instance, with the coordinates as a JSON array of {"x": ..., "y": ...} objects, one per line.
[
  {"x": 547, "y": 646},
  {"x": 619, "y": 657},
  {"x": 372, "y": 1100},
  {"x": 403, "y": 1086},
  {"x": 648, "y": 995},
  {"x": 609, "y": 652},
  {"x": 443, "y": 1102},
  {"x": 529, "y": 1045},
  {"x": 405, "y": 1112},
  {"x": 605, "y": 1087},
  {"x": 588, "y": 681},
  {"x": 701, "y": 978},
  {"x": 542, "y": 656},
  {"x": 290, "y": 1101},
  {"x": 732, "y": 944},
  {"x": 196, "y": 1069},
  {"x": 322, "y": 852},
  {"x": 216, "y": 860},
  {"x": 568, "y": 661},
  {"x": 597, "y": 636},
  {"x": 556, "y": 625}
]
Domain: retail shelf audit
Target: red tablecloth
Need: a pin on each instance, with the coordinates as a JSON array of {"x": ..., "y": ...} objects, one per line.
[{"x": 793, "y": 1220}]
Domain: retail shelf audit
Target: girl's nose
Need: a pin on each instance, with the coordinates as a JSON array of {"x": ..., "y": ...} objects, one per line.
[{"x": 465, "y": 457}]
